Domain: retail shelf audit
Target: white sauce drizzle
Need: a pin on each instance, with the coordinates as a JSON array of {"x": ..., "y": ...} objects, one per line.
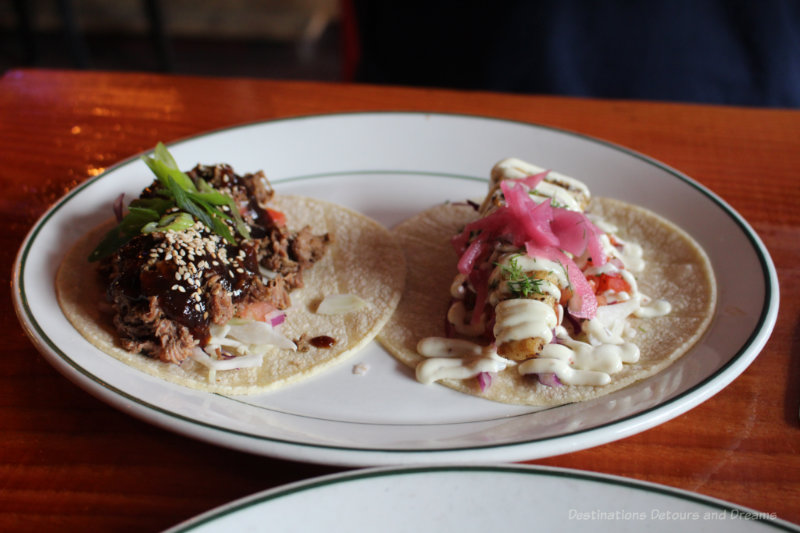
[
  {"x": 609, "y": 323},
  {"x": 462, "y": 322},
  {"x": 579, "y": 363},
  {"x": 563, "y": 190},
  {"x": 513, "y": 168},
  {"x": 456, "y": 359},
  {"x": 631, "y": 256},
  {"x": 457, "y": 289},
  {"x": 575, "y": 362},
  {"x": 520, "y": 318},
  {"x": 603, "y": 224},
  {"x": 561, "y": 197},
  {"x": 654, "y": 309}
]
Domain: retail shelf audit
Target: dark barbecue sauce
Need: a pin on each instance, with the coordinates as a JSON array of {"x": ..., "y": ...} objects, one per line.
[
  {"x": 178, "y": 268},
  {"x": 322, "y": 341},
  {"x": 168, "y": 288}
]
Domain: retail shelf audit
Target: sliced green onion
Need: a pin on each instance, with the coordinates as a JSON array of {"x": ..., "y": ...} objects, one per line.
[
  {"x": 171, "y": 222},
  {"x": 162, "y": 154},
  {"x": 177, "y": 190},
  {"x": 127, "y": 229}
]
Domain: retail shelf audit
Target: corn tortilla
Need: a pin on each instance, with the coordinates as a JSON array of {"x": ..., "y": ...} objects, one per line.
[
  {"x": 677, "y": 270},
  {"x": 363, "y": 260}
]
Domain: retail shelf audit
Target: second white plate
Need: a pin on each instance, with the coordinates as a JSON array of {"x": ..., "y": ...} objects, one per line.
[{"x": 480, "y": 499}]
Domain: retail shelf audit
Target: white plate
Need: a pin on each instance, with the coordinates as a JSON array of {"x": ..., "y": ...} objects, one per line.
[
  {"x": 479, "y": 499},
  {"x": 390, "y": 166}
]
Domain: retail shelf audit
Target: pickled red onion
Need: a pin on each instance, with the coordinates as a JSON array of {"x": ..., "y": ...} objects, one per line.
[
  {"x": 486, "y": 228},
  {"x": 533, "y": 180},
  {"x": 484, "y": 380},
  {"x": 549, "y": 379},
  {"x": 470, "y": 256},
  {"x": 583, "y": 303},
  {"x": 532, "y": 219},
  {"x": 576, "y": 233},
  {"x": 545, "y": 231},
  {"x": 277, "y": 320}
]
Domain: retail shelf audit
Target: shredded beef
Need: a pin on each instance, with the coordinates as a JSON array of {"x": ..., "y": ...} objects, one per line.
[
  {"x": 164, "y": 305},
  {"x": 307, "y": 248},
  {"x": 220, "y": 303},
  {"x": 144, "y": 329},
  {"x": 175, "y": 340},
  {"x": 277, "y": 293},
  {"x": 288, "y": 255}
]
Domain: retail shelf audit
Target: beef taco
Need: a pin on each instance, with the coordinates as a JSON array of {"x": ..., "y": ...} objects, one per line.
[
  {"x": 551, "y": 296},
  {"x": 213, "y": 281}
]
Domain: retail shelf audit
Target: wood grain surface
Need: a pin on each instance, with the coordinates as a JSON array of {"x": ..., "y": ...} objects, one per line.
[{"x": 70, "y": 462}]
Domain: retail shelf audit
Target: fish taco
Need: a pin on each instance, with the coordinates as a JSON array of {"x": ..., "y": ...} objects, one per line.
[
  {"x": 543, "y": 295},
  {"x": 213, "y": 281}
]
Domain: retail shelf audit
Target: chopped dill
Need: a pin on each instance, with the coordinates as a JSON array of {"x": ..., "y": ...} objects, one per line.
[{"x": 518, "y": 281}]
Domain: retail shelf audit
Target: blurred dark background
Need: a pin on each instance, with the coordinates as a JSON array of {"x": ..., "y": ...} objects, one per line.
[
  {"x": 738, "y": 52},
  {"x": 291, "y": 39}
]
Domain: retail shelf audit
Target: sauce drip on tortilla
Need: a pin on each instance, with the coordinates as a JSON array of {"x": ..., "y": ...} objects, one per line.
[{"x": 322, "y": 341}]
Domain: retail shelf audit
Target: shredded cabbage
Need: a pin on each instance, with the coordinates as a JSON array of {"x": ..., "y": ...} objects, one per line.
[
  {"x": 340, "y": 304},
  {"x": 246, "y": 340}
]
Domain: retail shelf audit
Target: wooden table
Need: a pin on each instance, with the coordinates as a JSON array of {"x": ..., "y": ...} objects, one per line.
[{"x": 69, "y": 462}]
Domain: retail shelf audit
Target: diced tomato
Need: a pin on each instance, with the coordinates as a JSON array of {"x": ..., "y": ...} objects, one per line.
[
  {"x": 277, "y": 217},
  {"x": 608, "y": 282},
  {"x": 566, "y": 294},
  {"x": 256, "y": 311},
  {"x": 616, "y": 284}
]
